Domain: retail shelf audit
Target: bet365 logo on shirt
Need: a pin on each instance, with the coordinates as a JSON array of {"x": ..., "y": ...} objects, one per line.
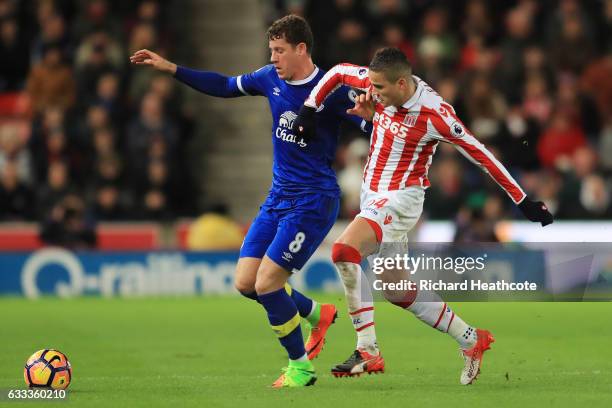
[{"x": 283, "y": 130}]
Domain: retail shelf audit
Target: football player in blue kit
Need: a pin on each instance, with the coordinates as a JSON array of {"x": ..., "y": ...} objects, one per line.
[{"x": 303, "y": 201}]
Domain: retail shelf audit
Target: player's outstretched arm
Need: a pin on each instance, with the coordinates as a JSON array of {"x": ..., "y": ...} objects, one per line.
[
  {"x": 342, "y": 74},
  {"x": 210, "y": 83},
  {"x": 452, "y": 130}
]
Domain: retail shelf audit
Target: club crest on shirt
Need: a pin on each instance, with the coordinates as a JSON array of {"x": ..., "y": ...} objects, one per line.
[
  {"x": 283, "y": 130},
  {"x": 410, "y": 119}
]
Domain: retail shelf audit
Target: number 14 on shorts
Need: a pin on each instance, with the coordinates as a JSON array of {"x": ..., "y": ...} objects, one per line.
[{"x": 380, "y": 203}]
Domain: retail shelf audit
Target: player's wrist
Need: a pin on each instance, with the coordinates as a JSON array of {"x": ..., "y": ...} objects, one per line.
[{"x": 171, "y": 68}]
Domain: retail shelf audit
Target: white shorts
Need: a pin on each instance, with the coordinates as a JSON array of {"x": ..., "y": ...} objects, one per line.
[{"x": 396, "y": 212}]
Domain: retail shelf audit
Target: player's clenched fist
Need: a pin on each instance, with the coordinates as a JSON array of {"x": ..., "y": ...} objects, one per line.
[
  {"x": 536, "y": 211},
  {"x": 149, "y": 58},
  {"x": 364, "y": 106},
  {"x": 304, "y": 124}
]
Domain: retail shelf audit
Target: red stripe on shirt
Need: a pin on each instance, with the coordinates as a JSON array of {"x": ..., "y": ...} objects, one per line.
[
  {"x": 381, "y": 160},
  {"x": 478, "y": 155}
]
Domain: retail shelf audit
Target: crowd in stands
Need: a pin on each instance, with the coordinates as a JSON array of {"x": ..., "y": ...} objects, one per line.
[
  {"x": 531, "y": 80},
  {"x": 97, "y": 140}
]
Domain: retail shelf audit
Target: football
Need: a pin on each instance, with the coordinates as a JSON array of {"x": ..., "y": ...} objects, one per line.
[{"x": 48, "y": 368}]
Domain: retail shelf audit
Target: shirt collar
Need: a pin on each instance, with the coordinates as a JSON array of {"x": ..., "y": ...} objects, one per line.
[
  {"x": 417, "y": 93},
  {"x": 305, "y": 80}
]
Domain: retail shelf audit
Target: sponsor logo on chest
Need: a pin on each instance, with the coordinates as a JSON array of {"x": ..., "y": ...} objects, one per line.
[
  {"x": 283, "y": 130},
  {"x": 394, "y": 126}
]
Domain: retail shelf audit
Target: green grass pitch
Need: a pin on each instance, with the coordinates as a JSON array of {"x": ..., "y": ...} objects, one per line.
[{"x": 220, "y": 351}]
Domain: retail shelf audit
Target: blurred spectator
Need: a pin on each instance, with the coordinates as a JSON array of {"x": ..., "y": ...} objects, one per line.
[
  {"x": 52, "y": 33},
  {"x": 154, "y": 206},
  {"x": 157, "y": 192},
  {"x": 485, "y": 108},
  {"x": 477, "y": 20},
  {"x": 537, "y": 102},
  {"x": 517, "y": 140},
  {"x": 96, "y": 16},
  {"x": 579, "y": 107},
  {"x": 559, "y": 141},
  {"x": 149, "y": 12},
  {"x": 537, "y": 64},
  {"x": 108, "y": 96},
  {"x": 107, "y": 205},
  {"x": 472, "y": 226},
  {"x": 14, "y": 57},
  {"x": 605, "y": 147},
  {"x": 548, "y": 189},
  {"x": 152, "y": 123},
  {"x": 517, "y": 37},
  {"x": 605, "y": 35},
  {"x": 108, "y": 169},
  {"x": 566, "y": 11},
  {"x": 574, "y": 38},
  {"x": 596, "y": 81},
  {"x": 336, "y": 12},
  {"x": 584, "y": 193},
  {"x": 393, "y": 35},
  {"x": 348, "y": 43},
  {"x": 13, "y": 152},
  {"x": 56, "y": 188},
  {"x": 447, "y": 191},
  {"x": 165, "y": 87},
  {"x": 15, "y": 196},
  {"x": 142, "y": 36},
  {"x": 68, "y": 226},
  {"x": 351, "y": 176},
  {"x": 595, "y": 197},
  {"x": 437, "y": 47},
  {"x": 50, "y": 82},
  {"x": 97, "y": 55}
]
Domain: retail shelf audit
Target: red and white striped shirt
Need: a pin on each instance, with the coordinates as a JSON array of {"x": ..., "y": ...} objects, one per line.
[{"x": 404, "y": 139}]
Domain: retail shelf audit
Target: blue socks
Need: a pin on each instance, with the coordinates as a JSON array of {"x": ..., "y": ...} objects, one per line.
[
  {"x": 285, "y": 321},
  {"x": 303, "y": 303}
]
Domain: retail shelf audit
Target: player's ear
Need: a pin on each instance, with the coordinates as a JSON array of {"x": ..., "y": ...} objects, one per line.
[
  {"x": 402, "y": 82},
  {"x": 301, "y": 49}
]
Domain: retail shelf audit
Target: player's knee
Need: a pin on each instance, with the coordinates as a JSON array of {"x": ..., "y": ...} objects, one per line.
[
  {"x": 270, "y": 279},
  {"x": 402, "y": 299},
  {"x": 344, "y": 252},
  {"x": 244, "y": 287},
  {"x": 263, "y": 286}
]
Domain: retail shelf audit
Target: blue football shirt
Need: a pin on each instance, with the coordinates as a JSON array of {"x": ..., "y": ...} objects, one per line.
[{"x": 300, "y": 166}]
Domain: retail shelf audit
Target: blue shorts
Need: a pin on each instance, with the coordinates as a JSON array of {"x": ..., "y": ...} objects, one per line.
[{"x": 289, "y": 230}]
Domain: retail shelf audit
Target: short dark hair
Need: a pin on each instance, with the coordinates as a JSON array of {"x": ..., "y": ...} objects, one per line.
[
  {"x": 294, "y": 29},
  {"x": 392, "y": 62}
]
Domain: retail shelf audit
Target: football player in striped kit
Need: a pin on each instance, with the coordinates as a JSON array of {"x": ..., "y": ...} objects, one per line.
[{"x": 410, "y": 120}]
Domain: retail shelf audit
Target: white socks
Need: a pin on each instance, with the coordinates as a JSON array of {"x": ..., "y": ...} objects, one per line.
[
  {"x": 431, "y": 310},
  {"x": 361, "y": 312}
]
